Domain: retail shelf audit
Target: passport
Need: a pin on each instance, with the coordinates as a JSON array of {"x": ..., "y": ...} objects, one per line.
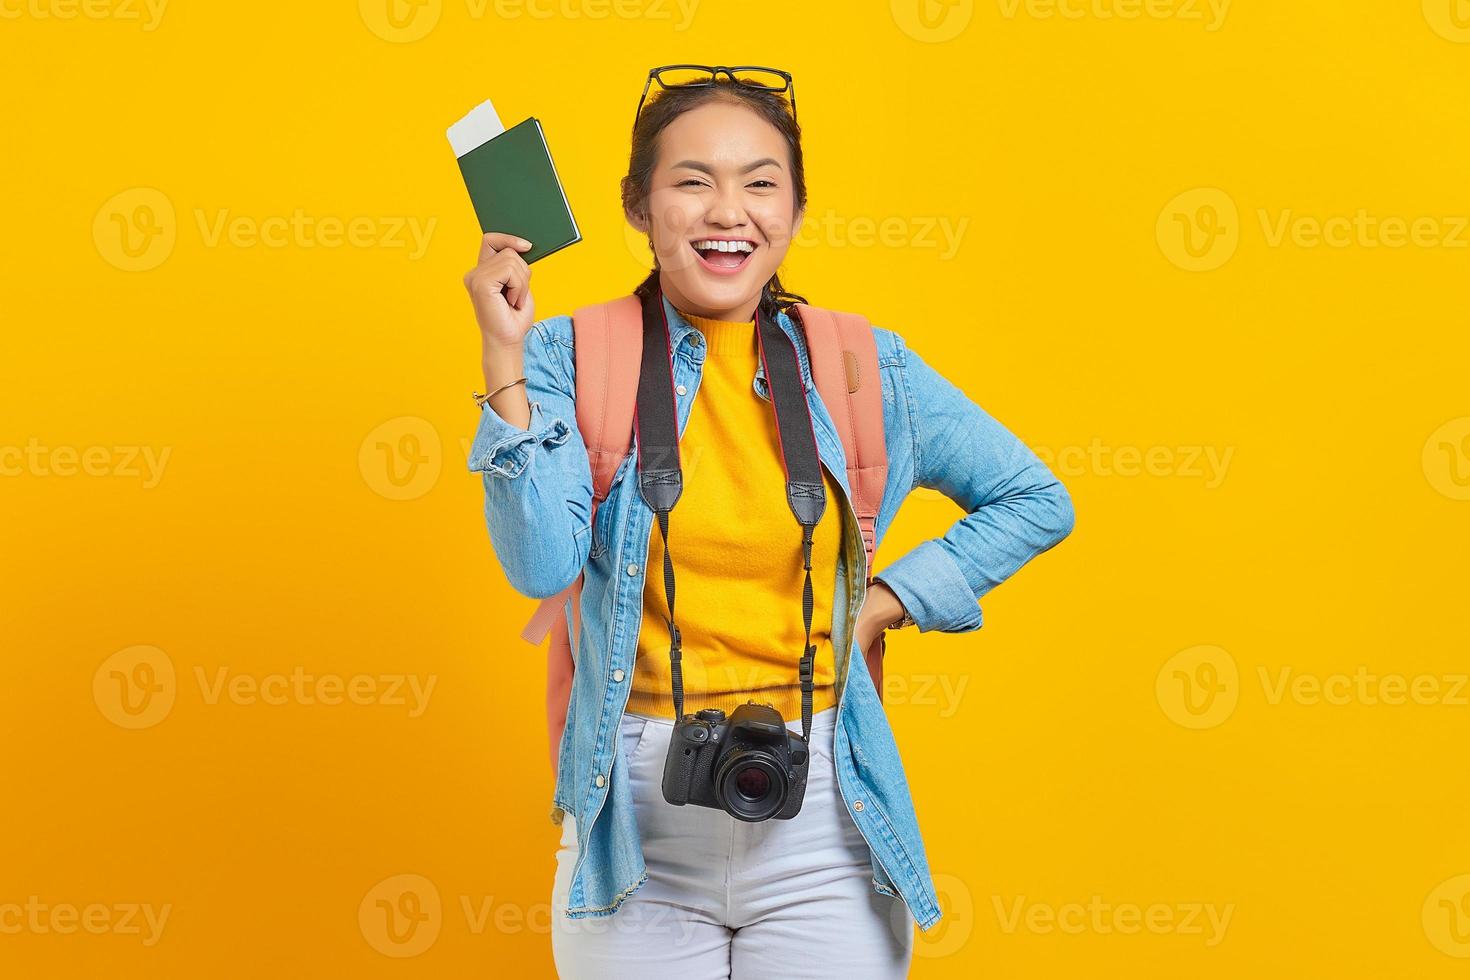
[{"x": 512, "y": 181}]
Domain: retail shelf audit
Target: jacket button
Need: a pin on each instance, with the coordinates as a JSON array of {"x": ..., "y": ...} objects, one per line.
[
  {"x": 618, "y": 675},
  {"x": 600, "y": 781},
  {"x": 681, "y": 389},
  {"x": 632, "y": 569},
  {"x": 856, "y": 806}
]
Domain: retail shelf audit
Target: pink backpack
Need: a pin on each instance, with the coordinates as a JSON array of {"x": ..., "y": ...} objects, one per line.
[{"x": 609, "y": 351}]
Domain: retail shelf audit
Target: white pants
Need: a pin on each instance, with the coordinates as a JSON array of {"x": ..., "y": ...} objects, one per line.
[{"x": 727, "y": 898}]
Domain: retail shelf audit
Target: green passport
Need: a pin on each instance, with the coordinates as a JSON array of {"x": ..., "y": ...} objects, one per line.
[{"x": 514, "y": 188}]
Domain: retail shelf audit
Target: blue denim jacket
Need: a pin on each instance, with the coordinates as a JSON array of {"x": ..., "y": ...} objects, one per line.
[{"x": 538, "y": 501}]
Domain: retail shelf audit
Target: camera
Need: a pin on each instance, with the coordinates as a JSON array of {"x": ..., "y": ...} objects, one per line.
[{"x": 750, "y": 764}]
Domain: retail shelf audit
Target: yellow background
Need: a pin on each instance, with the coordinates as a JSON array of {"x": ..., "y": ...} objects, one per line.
[{"x": 1116, "y": 735}]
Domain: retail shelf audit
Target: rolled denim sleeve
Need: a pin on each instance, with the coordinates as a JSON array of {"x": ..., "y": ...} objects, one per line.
[
  {"x": 1015, "y": 507},
  {"x": 538, "y": 482},
  {"x": 505, "y": 450}
]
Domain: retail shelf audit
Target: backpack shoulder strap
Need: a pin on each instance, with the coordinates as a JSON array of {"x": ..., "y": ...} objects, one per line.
[
  {"x": 609, "y": 352},
  {"x": 609, "y": 355},
  {"x": 844, "y": 359}
]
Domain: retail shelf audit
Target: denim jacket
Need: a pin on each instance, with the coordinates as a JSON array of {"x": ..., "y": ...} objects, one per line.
[{"x": 538, "y": 501}]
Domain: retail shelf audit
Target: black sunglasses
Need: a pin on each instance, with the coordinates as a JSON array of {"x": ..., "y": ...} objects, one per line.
[{"x": 684, "y": 76}]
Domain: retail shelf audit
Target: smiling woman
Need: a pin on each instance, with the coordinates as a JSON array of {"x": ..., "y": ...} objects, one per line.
[
  {"x": 769, "y": 850},
  {"x": 719, "y": 196}
]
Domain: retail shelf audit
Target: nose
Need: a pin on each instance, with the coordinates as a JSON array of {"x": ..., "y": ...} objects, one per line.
[{"x": 725, "y": 211}]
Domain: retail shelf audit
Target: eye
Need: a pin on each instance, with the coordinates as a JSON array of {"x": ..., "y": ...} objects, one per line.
[
  {"x": 690, "y": 180},
  {"x": 764, "y": 181}
]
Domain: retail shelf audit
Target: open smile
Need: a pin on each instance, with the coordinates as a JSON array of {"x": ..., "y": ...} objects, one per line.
[{"x": 723, "y": 256}]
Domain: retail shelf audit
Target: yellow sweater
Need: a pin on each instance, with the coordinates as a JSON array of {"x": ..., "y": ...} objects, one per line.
[{"x": 737, "y": 555}]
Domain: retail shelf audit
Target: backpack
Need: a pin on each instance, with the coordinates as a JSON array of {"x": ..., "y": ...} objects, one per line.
[{"x": 609, "y": 348}]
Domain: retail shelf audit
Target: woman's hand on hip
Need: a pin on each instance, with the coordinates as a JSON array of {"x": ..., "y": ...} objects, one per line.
[{"x": 881, "y": 607}]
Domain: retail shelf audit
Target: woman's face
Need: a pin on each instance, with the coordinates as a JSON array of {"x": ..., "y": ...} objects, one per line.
[{"x": 723, "y": 175}]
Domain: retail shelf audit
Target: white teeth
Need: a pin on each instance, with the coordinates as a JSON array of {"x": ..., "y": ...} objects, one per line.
[{"x": 724, "y": 246}]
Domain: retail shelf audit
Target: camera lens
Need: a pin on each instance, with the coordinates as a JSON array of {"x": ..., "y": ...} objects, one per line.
[{"x": 750, "y": 785}]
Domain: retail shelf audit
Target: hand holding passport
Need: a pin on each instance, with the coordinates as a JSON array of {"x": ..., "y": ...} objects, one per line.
[
  {"x": 512, "y": 182},
  {"x": 524, "y": 215}
]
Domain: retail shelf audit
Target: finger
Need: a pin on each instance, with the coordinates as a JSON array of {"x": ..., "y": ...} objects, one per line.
[
  {"x": 487, "y": 250},
  {"x": 495, "y": 241},
  {"x": 511, "y": 283},
  {"x": 525, "y": 289},
  {"x": 519, "y": 289}
]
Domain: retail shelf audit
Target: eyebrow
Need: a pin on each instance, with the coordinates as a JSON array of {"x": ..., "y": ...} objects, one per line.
[{"x": 706, "y": 168}]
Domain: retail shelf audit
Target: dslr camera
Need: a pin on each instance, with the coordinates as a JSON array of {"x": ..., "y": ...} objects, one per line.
[{"x": 750, "y": 764}]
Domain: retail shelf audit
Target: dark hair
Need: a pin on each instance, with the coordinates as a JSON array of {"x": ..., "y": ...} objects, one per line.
[{"x": 667, "y": 105}]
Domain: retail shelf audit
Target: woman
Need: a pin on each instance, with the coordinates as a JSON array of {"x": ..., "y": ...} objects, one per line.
[{"x": 716, "y": 182}]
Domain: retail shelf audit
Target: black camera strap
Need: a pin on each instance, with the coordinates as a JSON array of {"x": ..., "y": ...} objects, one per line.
[{"x": 661, "y": 479}]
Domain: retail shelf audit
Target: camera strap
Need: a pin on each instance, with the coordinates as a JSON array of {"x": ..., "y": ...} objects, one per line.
[{"x": 661, "y": 479}]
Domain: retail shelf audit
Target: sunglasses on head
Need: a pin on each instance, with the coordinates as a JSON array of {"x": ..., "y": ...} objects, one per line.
[{"x": 693, "y": 76}]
